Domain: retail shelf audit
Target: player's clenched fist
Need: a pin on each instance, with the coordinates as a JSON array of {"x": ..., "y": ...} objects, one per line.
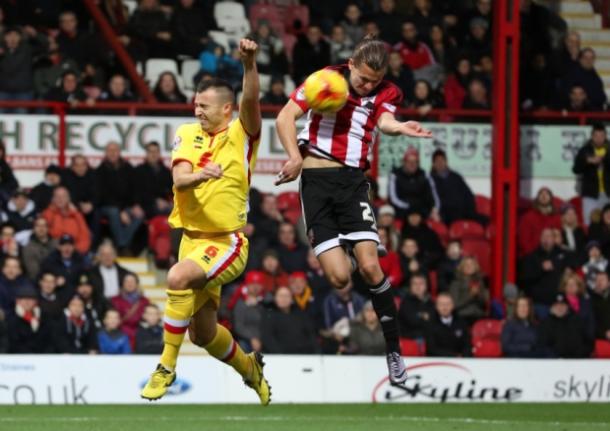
[
  {"x": 210, "y": 171},
  {"x": 247, "y": 50}
]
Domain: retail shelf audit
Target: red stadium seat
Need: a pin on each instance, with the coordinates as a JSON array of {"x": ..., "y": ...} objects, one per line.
[
  {"x": 602, "y": 349},
  {"x": 483, "y": 204},
  {"x": 292, "y": 215},
  {"x": 296, "y": 13},
  {"x": 466, "y": 229},
  {"x": 159, "y": 240},
  {"x": 268, "y": 12},
  {"x": 440, "y": 229},
  {"x": 487, "y": 349},
  {"x": 487, "y": 329},
  {"x": 410, "y": 347},
  {"x": 288, "y": 201},
  {"x": 481, "y": 250}
]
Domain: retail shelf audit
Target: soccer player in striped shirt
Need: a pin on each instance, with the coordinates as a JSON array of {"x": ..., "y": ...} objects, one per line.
[{"x": 331, "y": 155}]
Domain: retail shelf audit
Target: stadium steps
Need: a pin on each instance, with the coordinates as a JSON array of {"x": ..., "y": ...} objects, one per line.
[
  {"x": 576, "y": 7},
  {"x": 583, "y": 21},
  {"x": 150, "y": 279}
]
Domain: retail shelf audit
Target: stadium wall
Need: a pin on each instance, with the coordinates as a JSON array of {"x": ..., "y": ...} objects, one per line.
[
  {"x": 45, "y": 379},
  {"x": 546, "y": 156}
]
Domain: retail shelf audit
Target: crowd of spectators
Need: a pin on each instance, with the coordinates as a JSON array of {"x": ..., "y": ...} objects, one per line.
[{"x": 440, "y": 52}]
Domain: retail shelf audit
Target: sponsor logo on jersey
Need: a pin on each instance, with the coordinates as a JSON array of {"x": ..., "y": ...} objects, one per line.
[{"x": 176, "y": 143}]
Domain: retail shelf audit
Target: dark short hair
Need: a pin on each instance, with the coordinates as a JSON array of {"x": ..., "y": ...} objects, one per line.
[
  {"x": 598, "y": 127},
  {"x": 439, "y": 153},
  {"x": 216, "y": 83},
  {"x": 152, "y": 144},
  {"x": 372, "y": 52}
]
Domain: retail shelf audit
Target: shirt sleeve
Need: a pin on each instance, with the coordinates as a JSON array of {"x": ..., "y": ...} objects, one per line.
[
  {"x": 298, "y": 97},
  {"x": 390, "y": 101},
  {"x": 182, "y": 149}
]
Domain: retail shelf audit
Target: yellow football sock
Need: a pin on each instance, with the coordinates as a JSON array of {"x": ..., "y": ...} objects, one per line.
[
  {"x": 178, "y": 312},
  {"x": 224, "y": 348}
]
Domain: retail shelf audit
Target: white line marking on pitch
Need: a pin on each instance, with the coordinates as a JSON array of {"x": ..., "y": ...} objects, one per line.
[{"x": 301, "y": 418}]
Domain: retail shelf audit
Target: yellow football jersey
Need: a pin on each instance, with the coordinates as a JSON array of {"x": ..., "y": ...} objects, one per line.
[{"x": 216, "y": 205}]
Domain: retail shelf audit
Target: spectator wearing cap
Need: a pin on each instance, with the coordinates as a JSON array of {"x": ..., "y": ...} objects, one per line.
[
  {"x": 20, "y": 212},
  {"x": 416, "y": 309},
  {"x": 11, "y": 280},
  {"x": 286, "y": 329},
  {"x": 573, "y": 235},
  {"x": 117, "y": 199},
  {"x": 540, "y": 272},
  {"x": 111, "y": 339},
  {"x": 592, "y": 164},
  {"x": 563, "y": 333},
  {"x": 149, "y": 336},
  {"x": 596, "y": 263},
  {"x": 38, "y": 248},
  {"x": 428, "y": 242},
  {"x": 600, "y": 300},
  {"x": 585, "y": 75},
  {"x": 28, "y": 329},
  {"x": 51, "y": 303},
  {"x": 107, "y": 275},
  {"x": 455, "y": 196},
  {"x": 130, "y": 303},
  {"x": 65, "y": 219},
  {"x": 276, "y": 94},
  {"x": 292, "y": 253},
  {"x": 446, "y": 334},
  {"x": 66, "y": 263},
  {"x": 74, "y": 332},
  {"x": 42, "y": 193},
  {"x": 8, "y": 182},
  {"x": 390, "y": 263},
  {"x": 520, "y": 332},
  {"x": 153, "y": 181},
  {"x": 248, "y": 312},
  {"x": 541, "y": 216},
  {"x": 410, "y": 188},
  {"x": 95, "y": 305},
  {"x": 365, "y": 334}
]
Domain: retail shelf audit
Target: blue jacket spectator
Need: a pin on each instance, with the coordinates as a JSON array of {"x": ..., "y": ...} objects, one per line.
[
  {"x": 66, "y": 264},
  {"x": 341, "y": 303},
  {"x": 520, "y": 335},
  {"x": 111, "y": 340}
]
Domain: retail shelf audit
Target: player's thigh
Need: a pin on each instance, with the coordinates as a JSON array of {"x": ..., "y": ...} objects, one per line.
[
  {"x": 202, "y": 328},
  {"x": 186, "y": 274},
  {"x": 336, "y": 267}
]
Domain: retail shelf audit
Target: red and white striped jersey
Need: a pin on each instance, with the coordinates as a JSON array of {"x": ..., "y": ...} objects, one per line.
[{"x": 346, "y": 135}]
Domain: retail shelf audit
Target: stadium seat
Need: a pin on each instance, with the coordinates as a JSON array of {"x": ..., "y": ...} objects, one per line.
[
  {"x": 441, "y": 230},
  {"x": 487, "y": 349},
  {"x": 483, "y": 204},
  {"x": 480, "y": 249},
  {"x": 222, "y": 39},
  {"x": 289, "y": 41},
  {"x": 131, "y": 6},
  {"x": 487, "y": 329},
  {"x": 410, "y": 347},
  {"x": 292, "y": 215},
  {"x": 296, "y": 13},
  {"x": 466, "y": 229},
  {"x": 288, "y": 201},
  {"x": 288, "y": 84},
  {"x": 190, "y": 68},
  {"x": 602, "y": 349},
  {"x": 159, "y": 240},
  {"x": 231, "y": 17},
  {"x": 269, "y": 13},
  {"x": 264, "y": 82},
  {"x": 156, "y": 66}
]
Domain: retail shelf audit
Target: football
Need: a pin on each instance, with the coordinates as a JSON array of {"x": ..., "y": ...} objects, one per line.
[{"x": 326, "y": 91}]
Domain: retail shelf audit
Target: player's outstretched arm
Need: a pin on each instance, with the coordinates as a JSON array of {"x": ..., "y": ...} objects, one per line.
[
  {"x": 249, "y": 106},
  {"x": 389, "y": 125},
  {"x": 185, "y": 178},
  {"x": 286, "y": 127}
]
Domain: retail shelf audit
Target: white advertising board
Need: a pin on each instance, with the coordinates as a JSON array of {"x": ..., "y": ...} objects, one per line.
[{"x": 45, "y": 379}]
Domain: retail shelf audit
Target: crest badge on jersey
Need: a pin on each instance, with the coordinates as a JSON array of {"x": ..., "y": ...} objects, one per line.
[{"x": 176, "y": 143}]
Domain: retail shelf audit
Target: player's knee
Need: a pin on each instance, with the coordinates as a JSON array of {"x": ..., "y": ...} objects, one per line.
[
  {"x": 339, "y": 280},
  {"x": 177, "y": 280},
  {"x": 198, "y": 339},
  {"x": 370, "y": 271}
]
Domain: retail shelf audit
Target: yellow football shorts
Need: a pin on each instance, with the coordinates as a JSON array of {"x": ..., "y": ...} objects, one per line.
[{"x": 223, "y": 258}]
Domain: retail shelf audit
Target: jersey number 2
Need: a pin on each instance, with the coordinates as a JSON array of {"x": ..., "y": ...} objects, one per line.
[{"x": 367, "y": 214}]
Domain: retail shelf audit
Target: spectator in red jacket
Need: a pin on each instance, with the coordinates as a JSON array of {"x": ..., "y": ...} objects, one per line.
[
  {"x": 390, "y": 263},
  {"x": 130, "y": 304},
  {"x": 415, "y": 53},
  {"x": 542, "y": 215},
  {"x": 457, "y": 83},
  {"x": 64, "y": 219}
]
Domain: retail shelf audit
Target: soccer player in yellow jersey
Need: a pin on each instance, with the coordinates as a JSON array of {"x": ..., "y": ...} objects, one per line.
[{"x": 212, "y": 161}]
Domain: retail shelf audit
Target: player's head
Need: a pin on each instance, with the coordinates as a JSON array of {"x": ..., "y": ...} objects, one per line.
[
  {"x": 368, "y": 65},
  {"x": 214, "y": 101}
]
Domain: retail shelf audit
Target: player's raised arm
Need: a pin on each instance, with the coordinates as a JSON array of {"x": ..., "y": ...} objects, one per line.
[
  {"x": 184, "y": 177},
  {"x": 286, "y": 127},
  {"x": 249, "y": 106},
  {"x": 389, "y": 125}
]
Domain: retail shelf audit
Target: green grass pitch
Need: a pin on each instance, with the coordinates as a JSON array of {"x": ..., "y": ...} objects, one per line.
[{"x": 306, "y": 417}]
